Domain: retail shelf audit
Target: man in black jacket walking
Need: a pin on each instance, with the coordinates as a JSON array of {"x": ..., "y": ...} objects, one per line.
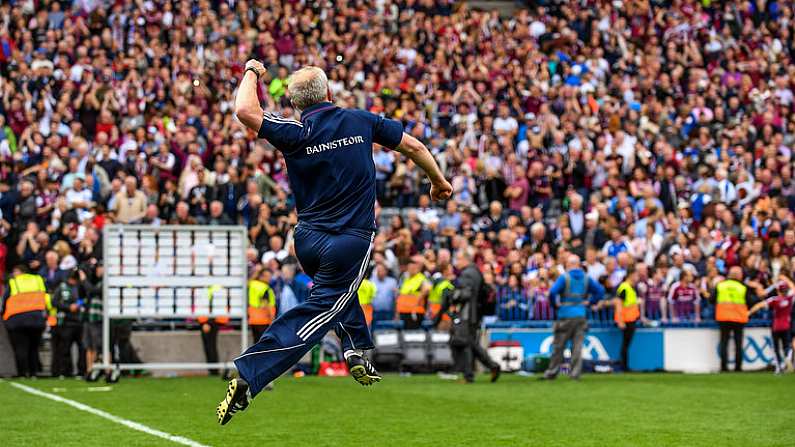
[{"x": 463, "y": 306}]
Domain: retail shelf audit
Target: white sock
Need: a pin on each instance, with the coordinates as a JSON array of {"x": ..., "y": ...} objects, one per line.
[{"x": 351, "y": 352}]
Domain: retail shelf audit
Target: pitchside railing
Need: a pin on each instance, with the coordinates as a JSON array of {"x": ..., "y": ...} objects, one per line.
[
  {"x": 173, "y": 272},
  {"x": 522, "y": 305}
]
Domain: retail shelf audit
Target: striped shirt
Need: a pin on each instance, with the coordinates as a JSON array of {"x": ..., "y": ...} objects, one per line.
[{"x": 680, "y": 293}]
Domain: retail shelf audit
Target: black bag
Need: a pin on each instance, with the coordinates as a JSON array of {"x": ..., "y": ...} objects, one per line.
[{"x": 461, "y": 333}]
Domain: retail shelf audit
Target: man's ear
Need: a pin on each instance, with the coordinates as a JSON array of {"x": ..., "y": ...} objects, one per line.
[{"x": 329, "y": 96}]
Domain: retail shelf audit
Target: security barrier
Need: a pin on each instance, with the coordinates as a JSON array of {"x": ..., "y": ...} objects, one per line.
[
  {"x": 678, "y": 349},
  {"x": 174, "y": 272},
  {"x": 528, "y": 307}
]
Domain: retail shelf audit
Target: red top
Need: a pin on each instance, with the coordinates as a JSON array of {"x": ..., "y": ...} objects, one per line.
[{"x": 781, "y": 306}]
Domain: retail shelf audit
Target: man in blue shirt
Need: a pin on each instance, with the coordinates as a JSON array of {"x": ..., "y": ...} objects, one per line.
[
  {"x": 291, "y": 291},
  {"x": 329, "y": 157},
  {"x": 386, "y": 291},
  {"x": 383, "y": 169},
  {"x": 572, "y": 293}
]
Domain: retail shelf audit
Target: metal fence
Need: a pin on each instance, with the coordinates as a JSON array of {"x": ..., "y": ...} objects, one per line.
[{"x": 522, "y": 305}]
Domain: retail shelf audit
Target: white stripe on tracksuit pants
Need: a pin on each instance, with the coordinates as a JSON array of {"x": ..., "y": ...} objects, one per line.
[{"x": 337, "y": 263}]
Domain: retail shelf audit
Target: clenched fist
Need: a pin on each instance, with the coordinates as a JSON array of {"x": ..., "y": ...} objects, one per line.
[
  {"x": 441, "y": 190},
  {"x": 256, "y": 65}
]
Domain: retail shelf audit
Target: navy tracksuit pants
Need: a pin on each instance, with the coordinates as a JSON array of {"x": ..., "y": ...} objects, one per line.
[{"x": 336, "y": 262}]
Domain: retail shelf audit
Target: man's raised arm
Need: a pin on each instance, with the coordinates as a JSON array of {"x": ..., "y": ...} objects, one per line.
[
  {"x": 421, "y": 156},
  {"x": 247, "y": 108}
]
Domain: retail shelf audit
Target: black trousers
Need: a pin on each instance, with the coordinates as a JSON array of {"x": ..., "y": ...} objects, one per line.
[
  {"x": 210, "y": 344},
  {"x": 122, "y": 350},
  {"x": 257, "y": 330},
  {"x": 465, "y": 351},
  {"x": 25, "y": 341},
  {"x": 735, "y": 330},
  {"x": 781, "y": 342},
  {"x": 63, "y": 338},
  {"x": 627, "y": 334},
  {"x": 411, "y": 321}
]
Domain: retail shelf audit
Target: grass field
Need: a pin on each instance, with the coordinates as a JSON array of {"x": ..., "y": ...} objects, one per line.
[{"x": 629, "y": 409}]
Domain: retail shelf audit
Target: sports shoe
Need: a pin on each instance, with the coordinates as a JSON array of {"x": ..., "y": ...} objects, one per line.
[
  {"x": 495, "y": 374},
  {"x": 447, "y": 376},
  {"x": 94, "y": 375},
  {"x": 237, "y": 399},
  {"x": 361, "y": 369}
]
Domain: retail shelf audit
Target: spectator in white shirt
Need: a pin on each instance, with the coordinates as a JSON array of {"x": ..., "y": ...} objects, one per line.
[
  {"x": 727, "y": 193},
  {"x": 277, "y": 250},
  {"x": 79, "y": 198},
  {"x": 594, "y": 269},
  {"x": 505, "y": 124},
  {"x": 576, "y": 216},
  {"x": 425, "y": 213}
]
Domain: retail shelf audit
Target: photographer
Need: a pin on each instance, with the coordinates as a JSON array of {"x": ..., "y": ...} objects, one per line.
[
  {"x": 67, "y": 300},
  {"x": 91, "y": 281},
  {"x": 463, "y": 306}
]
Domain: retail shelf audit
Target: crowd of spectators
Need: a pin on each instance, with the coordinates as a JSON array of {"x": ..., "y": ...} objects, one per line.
[{"x": 650, "y": 133}]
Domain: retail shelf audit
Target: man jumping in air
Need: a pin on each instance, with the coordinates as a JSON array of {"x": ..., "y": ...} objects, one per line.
[{"x": 332, "y": 175}]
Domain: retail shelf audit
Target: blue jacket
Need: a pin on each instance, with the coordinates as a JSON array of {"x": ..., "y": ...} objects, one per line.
[
  {"x": 329, "y": 156},
  {"x": 569, "y": 300}
]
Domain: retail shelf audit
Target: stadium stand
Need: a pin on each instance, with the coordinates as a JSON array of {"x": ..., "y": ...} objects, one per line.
[{"x": 647, "y": 133}]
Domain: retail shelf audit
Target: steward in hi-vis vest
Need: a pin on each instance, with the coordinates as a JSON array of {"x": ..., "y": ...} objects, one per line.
[
  {"x": 731, "y": 298},
  {"x": 436, "y": 296},
  {"x": 627, "y": 312},
  {"x": 261, "y": 303},
  {"x": 24, "y": 311},
  {"x": 440, "y": 298},
  {"x": 366, "y": 293},
  {"x": 413, "y": 294}
]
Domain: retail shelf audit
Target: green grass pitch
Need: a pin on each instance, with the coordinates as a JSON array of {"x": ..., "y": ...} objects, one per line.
[{"x": 629, "y": 409}]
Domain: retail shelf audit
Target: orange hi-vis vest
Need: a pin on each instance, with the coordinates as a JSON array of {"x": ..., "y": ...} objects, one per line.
[
  {"x": 261, "y": 303},
  {"x": 731, "y": 302},
  {"x": 436, "y": 295},
  {"x": 629, "y": 310},
  {"x": 27, "y": 293},
  {"x": 52, "y": 312},
  {"x": 409, "y": 300},
  {"x": 211, "y": 291},
  {"x": 366, "y": 293}
]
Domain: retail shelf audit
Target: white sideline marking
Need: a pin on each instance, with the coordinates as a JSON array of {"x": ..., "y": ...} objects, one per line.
[
  {"x": 108, "y": 416},
  {"x": 99, "y": 388}
]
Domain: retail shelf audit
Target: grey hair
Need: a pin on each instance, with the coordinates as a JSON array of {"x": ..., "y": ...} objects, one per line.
[{"x": 307, "y": 86}]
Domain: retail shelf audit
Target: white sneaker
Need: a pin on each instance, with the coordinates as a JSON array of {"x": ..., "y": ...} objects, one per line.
[{"x": 447, "y": 376}]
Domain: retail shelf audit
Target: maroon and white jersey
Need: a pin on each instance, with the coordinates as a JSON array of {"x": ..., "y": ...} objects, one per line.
[
  {"x": 781, "y": 307},
  {"x": 680, "y": 293},
  {"x": 651, "y": 290}
]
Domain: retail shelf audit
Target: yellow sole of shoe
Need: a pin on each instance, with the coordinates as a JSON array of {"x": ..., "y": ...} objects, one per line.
[
  {"x": 359, "y": 373},
  {"x": 223, "y": 407}
]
